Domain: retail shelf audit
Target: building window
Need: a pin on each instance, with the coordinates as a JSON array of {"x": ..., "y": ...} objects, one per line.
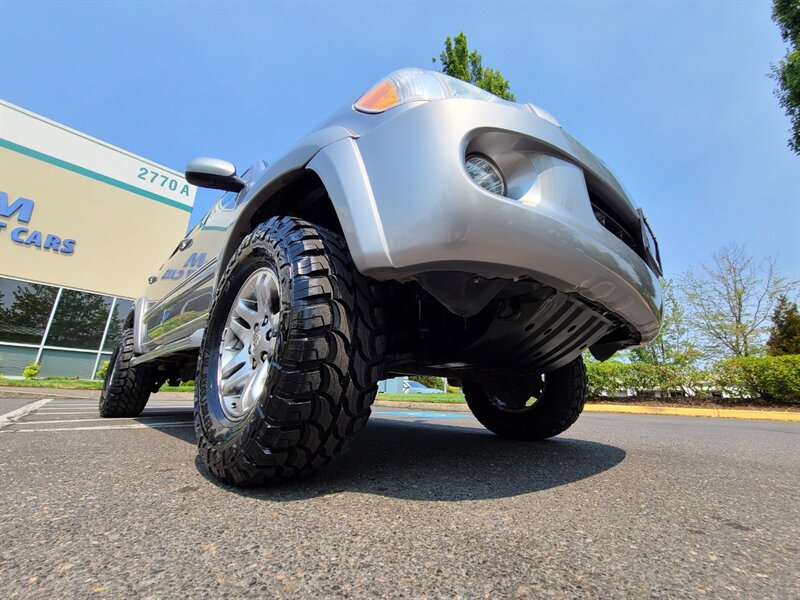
[
  {"x": 66, "y": 363},
  {"x": 80, "y": 320},
  {"x": 24, "y": 310},
  {"x": 75, "y": 324}
]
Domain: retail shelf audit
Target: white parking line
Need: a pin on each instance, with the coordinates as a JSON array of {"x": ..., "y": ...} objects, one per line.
[
  {"x": 70, "y": 412},
  {"x": 103, "y": 427},
  {"x": 160, "y": 411},
  {"x": 9, "y": 418},
  {"x": 29, "y": 423}
]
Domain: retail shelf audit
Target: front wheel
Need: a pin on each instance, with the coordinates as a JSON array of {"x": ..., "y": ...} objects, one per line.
[
  {"x": 531, "y": 412},
  {"x": 291, "y": 358}
]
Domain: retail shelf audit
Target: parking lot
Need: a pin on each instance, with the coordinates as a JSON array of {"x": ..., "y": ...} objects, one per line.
[{"x": 425, "y": 504}]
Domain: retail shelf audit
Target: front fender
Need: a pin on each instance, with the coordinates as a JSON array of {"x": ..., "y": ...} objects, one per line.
[
  {"x": 299, "y": 156},
  {"x": 272, "y": 179},
  {"x": 341, "y": 170}
]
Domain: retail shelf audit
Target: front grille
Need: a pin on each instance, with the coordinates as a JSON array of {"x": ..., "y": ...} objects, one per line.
[{"x": 609, "y": 219}]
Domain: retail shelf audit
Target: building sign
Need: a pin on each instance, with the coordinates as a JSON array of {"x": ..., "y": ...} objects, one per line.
[
  {"x": 23, "y": 235},
  {"x": 80, "y": 213}
]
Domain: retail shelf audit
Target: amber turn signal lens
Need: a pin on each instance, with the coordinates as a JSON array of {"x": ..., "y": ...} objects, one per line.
[{"x": 381, "y": 97}]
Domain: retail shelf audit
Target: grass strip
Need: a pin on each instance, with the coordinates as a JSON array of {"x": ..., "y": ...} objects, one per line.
[
  {"x": 74, "y": 384},
  {"x": 430, "y": 398}
]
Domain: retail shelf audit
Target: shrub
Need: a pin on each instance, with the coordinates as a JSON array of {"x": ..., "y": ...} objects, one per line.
[
  {"x": 644, "y": 377},
  {"x": 102, "y": 371},
  {"x": 31, "y": 371},
  {"x": 608, "y": 378},
  {"x": 428, "y": 381},
  {"x": 616, "y": 378},
  {"x": 768, "y": 377}
]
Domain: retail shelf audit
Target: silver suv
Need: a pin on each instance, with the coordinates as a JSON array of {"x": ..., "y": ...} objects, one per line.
[{"x": 427, "y": 228}]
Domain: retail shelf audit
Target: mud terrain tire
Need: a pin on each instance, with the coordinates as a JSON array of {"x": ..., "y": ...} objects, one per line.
[
  {"x": 126, "y": 388},
  {"x": 328, "y": 358}
]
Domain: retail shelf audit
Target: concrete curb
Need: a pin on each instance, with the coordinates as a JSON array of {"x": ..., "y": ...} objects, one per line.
[{"x": 721, "y": 413}]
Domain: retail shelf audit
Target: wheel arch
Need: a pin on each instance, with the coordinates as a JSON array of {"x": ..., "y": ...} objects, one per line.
[
  {"x": 299, "y": 193},
  {"x": 331, "y": 189}
]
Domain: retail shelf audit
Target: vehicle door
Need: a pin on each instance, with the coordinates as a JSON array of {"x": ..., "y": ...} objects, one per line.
[{"x": 179, "y": 295}]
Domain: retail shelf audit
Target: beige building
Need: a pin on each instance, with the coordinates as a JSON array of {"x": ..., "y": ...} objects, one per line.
[{"x": 82, "y": 226}]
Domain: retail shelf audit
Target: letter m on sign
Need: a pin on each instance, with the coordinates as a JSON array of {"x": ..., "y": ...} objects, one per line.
[
  {"x": 22, "y": 206},
  {"x": 195, "y": 260}
]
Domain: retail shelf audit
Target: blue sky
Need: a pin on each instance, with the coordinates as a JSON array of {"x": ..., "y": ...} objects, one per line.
[{"x": 673, "y": 96}]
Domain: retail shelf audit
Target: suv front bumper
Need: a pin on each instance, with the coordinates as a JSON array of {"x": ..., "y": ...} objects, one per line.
[{"x": 407, "y": 206}]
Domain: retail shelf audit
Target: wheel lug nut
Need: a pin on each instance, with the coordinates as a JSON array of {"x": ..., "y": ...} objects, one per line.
[{"x": 264, "y": 357}]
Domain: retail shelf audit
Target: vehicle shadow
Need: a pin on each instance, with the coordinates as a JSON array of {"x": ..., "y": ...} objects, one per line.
[{"x": 416, "y": 461}]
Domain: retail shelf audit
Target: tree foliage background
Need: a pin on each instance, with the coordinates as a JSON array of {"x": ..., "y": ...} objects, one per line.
[
  {"x": 713, "y": 338},
  {"x": 785, "y": 334},
  {"x": 730, "y": 300},
  {"x": 457, "y": 61},
  {"x": 786, "y": 13}
]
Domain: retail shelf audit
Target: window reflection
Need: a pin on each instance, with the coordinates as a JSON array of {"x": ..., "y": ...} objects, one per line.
[
  {"x": 79, "y": 321},
  {"x": 24, "y": 310}
]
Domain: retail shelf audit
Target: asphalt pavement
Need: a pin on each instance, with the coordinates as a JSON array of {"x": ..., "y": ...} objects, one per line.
[{"x": 426, "y": 504}]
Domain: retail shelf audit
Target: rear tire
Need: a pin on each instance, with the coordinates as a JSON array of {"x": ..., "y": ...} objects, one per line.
[
  {"x": 503, "y": 410},
  {"x": 126, "y": 388},
  {"x": 314, "y": 351}
]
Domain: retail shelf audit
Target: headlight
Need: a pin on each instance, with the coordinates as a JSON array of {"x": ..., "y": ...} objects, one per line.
[
  {"x": 407, "y": 85},
  {"x": 485, "y": 174}
]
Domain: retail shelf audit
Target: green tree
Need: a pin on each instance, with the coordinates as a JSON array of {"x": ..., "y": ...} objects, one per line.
[
  {"x": 784, "y": 336},
  {"x": 730, "y": 301},
  {"x": 457, "y": 61},
  {"x": 672, "y": 354},
  {"x": 673, "y": 343},
  {"x": 786, "y": 13}
]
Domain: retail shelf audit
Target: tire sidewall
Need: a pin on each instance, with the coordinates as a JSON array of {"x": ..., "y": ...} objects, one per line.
[
  {"x": 116, "y": 368},
  {"x": 112, "y": 371},
  {"x": 211, "y": 421}
]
